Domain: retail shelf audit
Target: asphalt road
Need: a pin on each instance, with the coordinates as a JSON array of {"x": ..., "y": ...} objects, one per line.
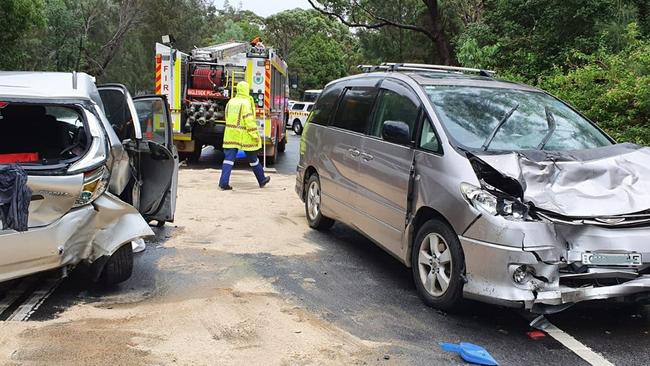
[{"x": 361, "y": 289}]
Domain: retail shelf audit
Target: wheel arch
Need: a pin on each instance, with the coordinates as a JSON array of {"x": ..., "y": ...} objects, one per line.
[
  {"x": 308, "y": 173},
  {"x": 423, "y": 214}
]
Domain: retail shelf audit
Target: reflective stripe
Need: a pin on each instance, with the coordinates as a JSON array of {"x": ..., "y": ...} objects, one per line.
[
  {"x": 256, "y": 163},
  {"x": 228, "y": 162}
]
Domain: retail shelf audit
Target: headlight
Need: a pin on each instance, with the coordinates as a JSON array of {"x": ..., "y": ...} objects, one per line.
[
  {"x": 491, "y": 204},
  {"x": 95, "y": 183}
]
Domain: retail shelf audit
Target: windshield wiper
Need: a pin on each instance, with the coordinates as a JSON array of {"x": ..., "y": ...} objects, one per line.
[
  {"x": 550, "y": 120},
  {"x": 503, "y": 121}
]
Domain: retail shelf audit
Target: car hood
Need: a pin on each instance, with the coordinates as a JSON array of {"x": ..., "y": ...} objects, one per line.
[{"x": 607, "y": 181}]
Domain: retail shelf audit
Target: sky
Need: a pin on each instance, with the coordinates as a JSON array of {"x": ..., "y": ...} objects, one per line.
[{"x": 266, "y": 7}]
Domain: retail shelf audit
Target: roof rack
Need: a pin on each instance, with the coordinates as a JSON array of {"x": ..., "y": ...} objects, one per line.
[{"x": 393, "y": 66}]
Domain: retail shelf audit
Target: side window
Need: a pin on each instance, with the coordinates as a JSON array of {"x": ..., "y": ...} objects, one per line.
[
  {"x": 117, "y": 112},
  {"x": 392, "y": 106},
  {"x": 428, "y": 139},
  {"x": 297, "y": 107},
  {"x": 153, "y": 119},
  {"x": 325, "y": 105},
  {"x": 310, "y": 107},
  {"x": 354, "y": 110}
]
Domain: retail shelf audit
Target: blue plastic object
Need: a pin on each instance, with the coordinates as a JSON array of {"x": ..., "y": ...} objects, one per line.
[
  {"x": 470, "y": 353},
  {"x": 241, "y": 154}
]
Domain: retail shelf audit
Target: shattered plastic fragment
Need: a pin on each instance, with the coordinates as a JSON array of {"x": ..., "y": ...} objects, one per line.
[{"x": 536, "y": 334}]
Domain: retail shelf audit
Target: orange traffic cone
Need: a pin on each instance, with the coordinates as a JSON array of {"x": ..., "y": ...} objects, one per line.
[{"x": 148, "y": 134}]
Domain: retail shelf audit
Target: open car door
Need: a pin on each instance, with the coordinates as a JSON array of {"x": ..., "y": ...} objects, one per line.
[
  {"x": 158, "y": 169},
  {"x": 143, "y": 125}
]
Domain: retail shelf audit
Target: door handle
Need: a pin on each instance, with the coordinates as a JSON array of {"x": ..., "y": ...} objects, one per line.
[
  {"x": 367, "y": 157},
  {"x": 354, "y": 152}
]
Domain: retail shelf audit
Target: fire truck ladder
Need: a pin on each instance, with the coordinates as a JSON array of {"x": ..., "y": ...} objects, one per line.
[{"x": 219, "y": 52}]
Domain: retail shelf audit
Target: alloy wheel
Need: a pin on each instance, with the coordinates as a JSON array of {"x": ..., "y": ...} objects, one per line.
[
  {"x": 435, "y": 264},
  {"x": 313, "y": 200}
]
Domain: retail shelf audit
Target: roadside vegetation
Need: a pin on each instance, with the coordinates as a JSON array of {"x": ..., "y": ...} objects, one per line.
[{"x": 593, "y": 54}]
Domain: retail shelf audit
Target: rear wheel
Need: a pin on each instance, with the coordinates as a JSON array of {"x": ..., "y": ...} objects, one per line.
[
  {"x": 119, "y": 266},
  {"x": 282, "y": 147},
  {"x": 315, "y": 217},
  {"x": 438, "y": 265},
  {"x": 297, "y": 126}
]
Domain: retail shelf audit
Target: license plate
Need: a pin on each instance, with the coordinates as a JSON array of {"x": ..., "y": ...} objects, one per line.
[{"x": 612, "y": 259}]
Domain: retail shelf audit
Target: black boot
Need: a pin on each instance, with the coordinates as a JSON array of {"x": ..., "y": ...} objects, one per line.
[{"x": 264, "y": 182}]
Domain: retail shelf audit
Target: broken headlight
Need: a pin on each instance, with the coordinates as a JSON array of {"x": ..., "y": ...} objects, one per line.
[
  {"x": 495, "y": 204},
  {"x": 95, "y": 183}
]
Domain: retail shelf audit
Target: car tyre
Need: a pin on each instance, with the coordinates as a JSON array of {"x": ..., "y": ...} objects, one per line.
[
  {"x": 438, "y": 266},
  {"x": 297, "y": 127},
  {"x": 314, "y": 215},
  {"x": 119, "y": 266}
]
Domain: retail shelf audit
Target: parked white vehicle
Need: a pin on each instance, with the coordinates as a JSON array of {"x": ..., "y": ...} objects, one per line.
[{"x": 298, "y": 114}]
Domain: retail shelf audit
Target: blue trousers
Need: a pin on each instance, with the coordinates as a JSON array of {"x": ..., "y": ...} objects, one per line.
[{"x": 229, "y": 161}]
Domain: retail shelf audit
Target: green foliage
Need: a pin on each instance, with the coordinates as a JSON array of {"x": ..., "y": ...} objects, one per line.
[
  {"x": 20, "y": 20},
  {"x": 317, "y": 60},
  {"x": 611, "y": 89}
]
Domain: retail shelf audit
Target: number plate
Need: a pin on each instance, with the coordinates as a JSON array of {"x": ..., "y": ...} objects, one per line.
[{"x": 612, "y": 259}]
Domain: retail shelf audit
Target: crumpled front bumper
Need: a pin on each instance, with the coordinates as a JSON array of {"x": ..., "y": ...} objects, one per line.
[{"x": 549, "y": 250}]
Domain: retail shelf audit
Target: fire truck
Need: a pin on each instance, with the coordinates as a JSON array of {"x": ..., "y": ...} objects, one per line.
[{"x": 199, "y": 84}]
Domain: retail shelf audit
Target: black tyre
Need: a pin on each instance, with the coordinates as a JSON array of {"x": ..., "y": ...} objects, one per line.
[
  {"x": 119, "y": 266},
  {"x": 282, "y": 147},
  {"x": 297, "y": 127},
  {"x": 313, "y": 212},
  {"x": 160, "y": 223},
  {"x": 438, "y": 266},
  {"x": 195, "y": 155}
]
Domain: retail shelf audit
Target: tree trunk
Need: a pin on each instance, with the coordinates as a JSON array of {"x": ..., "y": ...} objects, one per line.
[{"x": 438, "y": 33}]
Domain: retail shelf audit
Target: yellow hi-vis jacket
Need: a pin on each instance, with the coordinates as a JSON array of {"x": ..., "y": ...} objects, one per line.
[{"x": 241, "y": 126}]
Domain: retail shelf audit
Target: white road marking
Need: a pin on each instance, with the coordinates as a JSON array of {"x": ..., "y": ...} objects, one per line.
[
  {"x": 571, "y": 343},
  {"x": 26, "y": 309},
  {"x": 12, "y": 295}
]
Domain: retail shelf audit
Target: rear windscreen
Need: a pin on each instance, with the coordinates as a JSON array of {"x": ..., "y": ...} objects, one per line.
[{"x": 41, "y": 134}]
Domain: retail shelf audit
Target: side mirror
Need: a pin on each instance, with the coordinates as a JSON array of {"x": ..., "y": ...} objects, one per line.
[{"x": 396, "y": 131}]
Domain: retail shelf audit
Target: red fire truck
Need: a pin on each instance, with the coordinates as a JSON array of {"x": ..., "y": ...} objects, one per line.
[{"x": 199, "y": 84}]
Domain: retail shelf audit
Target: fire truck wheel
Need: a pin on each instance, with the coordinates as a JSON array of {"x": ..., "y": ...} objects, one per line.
[
  {"x": 283, "y": 144},
  {"x": 195, "y": 155}
]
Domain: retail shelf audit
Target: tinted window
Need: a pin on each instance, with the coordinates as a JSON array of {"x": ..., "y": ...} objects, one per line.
[
  {"x": 354, "y": 110},
  {"x": 298, "y": 107},
  {"x": 325, "y": 105},
  {"x": 532, "y": 120},
  {"x": 310, "y": 107},
  {"x": 117, "y": 112},
  {"x": 392, "y": 106}
]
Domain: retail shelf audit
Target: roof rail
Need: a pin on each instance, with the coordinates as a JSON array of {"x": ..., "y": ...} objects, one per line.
[{"x": 393, "y": 66}]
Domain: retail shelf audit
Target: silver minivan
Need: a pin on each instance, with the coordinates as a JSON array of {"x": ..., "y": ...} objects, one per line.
[{"x": 487, "y": 189}]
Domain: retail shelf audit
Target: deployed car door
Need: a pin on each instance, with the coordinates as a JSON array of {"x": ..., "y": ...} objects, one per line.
[
  {"x": 385, "y": 165},
  {"x": 158, "y": 169}
]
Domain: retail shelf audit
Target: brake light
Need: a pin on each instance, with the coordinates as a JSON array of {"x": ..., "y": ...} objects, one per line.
[
  {"x": 3, "y": 104},
  {"x": 95, "y": 184}
]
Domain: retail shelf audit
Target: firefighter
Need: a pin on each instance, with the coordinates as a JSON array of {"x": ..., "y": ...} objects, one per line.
[{"x": 241, "y": 134}]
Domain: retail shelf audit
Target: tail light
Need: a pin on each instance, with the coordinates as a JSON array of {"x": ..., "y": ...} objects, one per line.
[{"x": 95, "y": 184}]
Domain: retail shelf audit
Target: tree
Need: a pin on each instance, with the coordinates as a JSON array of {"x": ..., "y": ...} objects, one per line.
[
  {"x": 21, "y": 19},
  {"x": 373, "y": 14},
  {"x": 317, "y": 60}
]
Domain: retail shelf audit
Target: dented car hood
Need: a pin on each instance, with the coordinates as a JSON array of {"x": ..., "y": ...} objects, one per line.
[{"x": 607, "y": 181}]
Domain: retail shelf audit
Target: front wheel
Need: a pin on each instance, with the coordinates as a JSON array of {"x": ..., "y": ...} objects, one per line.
[
  {"x": 315, "y": 217},
  {"x": 438, "y": 265}
]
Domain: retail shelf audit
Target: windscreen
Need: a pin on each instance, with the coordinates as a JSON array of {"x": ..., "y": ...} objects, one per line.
[
  {"x": 507, "y": 119},
  {"x": 41, "y": 134}
]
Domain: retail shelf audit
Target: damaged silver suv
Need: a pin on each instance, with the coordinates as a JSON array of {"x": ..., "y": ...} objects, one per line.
[
  {"x": 487, "y": 189},
  {"x": 99, "y": 166}
]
